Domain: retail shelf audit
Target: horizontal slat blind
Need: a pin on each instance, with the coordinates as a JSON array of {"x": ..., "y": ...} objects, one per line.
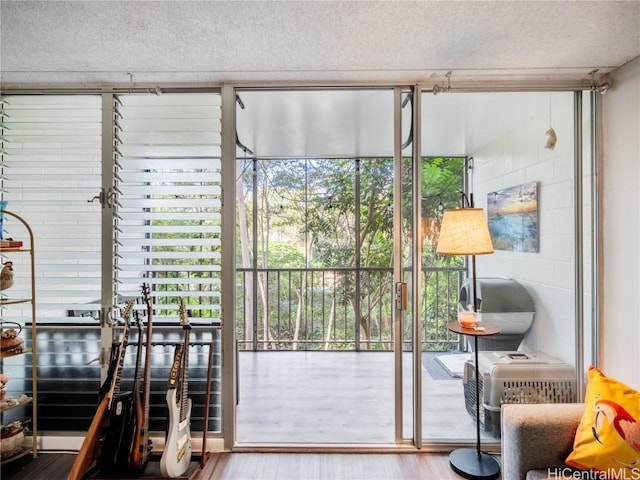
[
  {"x": 170, "y": 202},
  {"x": 166, "y": 226},
  {"x": 50, "y": 167}
]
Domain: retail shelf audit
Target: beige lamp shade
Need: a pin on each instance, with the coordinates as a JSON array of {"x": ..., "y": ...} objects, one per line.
[{"x": 464, "y": 231}]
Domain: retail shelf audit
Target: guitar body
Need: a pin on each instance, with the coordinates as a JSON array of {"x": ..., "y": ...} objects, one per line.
[
  {"x": 116, "y": 445},
  {"x": 177, "y": 448},
  {"x": 135, "y": 461},
  {"x": 105, "y": 389},
  {"x": 141, "y": 443},
  {"x": 138, "y": 449},
  {"x": 176, "y": 456},
  {"x": 91, "y": 444}
]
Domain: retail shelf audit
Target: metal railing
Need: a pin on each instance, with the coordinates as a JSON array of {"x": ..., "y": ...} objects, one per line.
[{"x": 338, "y": 309}]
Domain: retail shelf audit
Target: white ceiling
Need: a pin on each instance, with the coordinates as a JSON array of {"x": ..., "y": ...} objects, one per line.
[
  {"x": 191, "y": 43},
  {"x": 360, "y": 123},
  {"x": 211, "y": 41}
]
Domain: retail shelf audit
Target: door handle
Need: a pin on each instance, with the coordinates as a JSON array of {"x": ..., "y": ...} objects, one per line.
[{"x": 401, "y": 296}]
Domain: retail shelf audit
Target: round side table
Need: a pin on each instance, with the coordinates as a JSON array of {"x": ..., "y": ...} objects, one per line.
[{"x": 473, "y": 463}]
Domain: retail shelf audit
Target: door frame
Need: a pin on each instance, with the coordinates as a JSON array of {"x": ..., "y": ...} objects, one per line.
[
  {"x": 412, "y": 308},
  {"x": 230, "y": 373}
]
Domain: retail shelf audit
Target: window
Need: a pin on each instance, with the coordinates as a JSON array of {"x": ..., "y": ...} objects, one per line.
[{"x": 165, "y": 191}]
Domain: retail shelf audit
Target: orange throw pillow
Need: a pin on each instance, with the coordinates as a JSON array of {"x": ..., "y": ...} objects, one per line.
[{"x": 608, "y": 436}]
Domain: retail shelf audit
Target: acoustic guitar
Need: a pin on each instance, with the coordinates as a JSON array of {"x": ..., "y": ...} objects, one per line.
[
  {"x": 91, "y": 445},
  {"x": 177, "y": 448}
]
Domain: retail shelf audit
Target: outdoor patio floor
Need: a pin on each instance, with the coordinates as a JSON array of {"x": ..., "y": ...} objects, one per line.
[{"x": 334, "y": 398}]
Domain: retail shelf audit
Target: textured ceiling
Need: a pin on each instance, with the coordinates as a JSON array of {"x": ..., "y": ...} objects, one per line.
[
  {"x": 176, "y": 43},
  {"x": 167, "y": 42}
]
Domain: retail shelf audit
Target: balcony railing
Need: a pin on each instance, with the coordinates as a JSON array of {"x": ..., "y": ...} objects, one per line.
[{"x": 339, "y": 309}]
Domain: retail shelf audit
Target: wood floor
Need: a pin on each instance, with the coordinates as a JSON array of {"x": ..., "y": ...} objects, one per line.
[
  {"x": 346, "y": 398},
  {"x": 301, "y": 399},
  {"x": 331, "y": 466},
  {"x": 273, "y": 466}
]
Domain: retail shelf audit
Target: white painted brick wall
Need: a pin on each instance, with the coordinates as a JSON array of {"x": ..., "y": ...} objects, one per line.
[{"x": 520, "y": 157}]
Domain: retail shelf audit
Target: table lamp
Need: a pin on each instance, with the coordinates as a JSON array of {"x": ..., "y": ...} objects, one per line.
[{"x": 464, "y": 231}]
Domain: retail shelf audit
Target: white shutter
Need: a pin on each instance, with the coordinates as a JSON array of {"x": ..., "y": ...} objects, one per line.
[
  {"x": 169, "y": 202},
  {"x": 50, "y": 168},
  {"x": 166, "y": 226}
]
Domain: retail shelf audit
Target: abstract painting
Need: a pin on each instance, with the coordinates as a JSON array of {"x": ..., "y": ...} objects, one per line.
[{"x": 513, "y": 218}]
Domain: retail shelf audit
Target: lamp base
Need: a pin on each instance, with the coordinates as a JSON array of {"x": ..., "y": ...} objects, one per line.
[{"x": 466, "y": 462}]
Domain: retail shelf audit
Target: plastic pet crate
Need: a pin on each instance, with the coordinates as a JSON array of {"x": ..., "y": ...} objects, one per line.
[{"x": 515, "y": 377}]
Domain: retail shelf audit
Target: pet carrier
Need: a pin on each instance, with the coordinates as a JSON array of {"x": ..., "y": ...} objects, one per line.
[{"x": 515, "y": 377}]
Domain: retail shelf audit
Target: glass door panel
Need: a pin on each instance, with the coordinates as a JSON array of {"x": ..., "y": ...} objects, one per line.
[
  {"x": 498, "y": 147},
  {"x": 406, "y": 267},
  {"x": 314, "y": 266}
]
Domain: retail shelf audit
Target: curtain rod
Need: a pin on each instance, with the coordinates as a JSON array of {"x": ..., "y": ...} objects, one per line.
[
  {"x": 435, "y": 86},
  {"x": 98, "y": 90}
]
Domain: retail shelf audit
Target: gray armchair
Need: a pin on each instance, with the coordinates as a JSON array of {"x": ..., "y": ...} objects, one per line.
[{"x": 536, "y": 439}]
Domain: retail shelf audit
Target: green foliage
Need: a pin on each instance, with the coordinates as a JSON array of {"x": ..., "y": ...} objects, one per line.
[
  {"x": 441, "y": 184},
  {"x": 284, "y": 255},
  {"x": 329, "y": 215}
]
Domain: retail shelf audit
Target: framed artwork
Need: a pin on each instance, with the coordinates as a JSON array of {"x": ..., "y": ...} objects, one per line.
[{"x": 513, "y": 218}]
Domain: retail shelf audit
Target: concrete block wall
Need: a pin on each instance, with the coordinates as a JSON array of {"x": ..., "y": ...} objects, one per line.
[{"x": 518, "y": 157}]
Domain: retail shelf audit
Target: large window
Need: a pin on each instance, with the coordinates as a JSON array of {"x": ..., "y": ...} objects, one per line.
[
  {"x": 51, "y": 176},
  {"x": 324, "y": 242},
  {"x": 154, "y": 162}
]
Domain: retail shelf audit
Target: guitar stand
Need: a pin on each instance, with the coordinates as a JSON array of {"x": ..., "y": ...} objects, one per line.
[{"x": 153, "y": 472}]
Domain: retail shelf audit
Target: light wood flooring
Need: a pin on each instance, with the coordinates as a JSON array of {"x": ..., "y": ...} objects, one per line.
[
  {"x": 331, "y": 466},
  {"x": 340, "y": 402},
  {"x": 321, "y": 398},
  {"x": 271, "y": 466}
]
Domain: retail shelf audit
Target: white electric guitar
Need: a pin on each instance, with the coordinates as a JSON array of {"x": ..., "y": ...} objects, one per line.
[{"x": 177, "y": 448}]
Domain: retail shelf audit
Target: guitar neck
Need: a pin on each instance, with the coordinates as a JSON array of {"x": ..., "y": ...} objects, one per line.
[
  {"x": 117, "y": 376},
  {"x": 185, "y": 375},
  {"x": 146, "y": 395},
  {"x": 141, "y": 451},
  {"x": 146, "y": 391}
]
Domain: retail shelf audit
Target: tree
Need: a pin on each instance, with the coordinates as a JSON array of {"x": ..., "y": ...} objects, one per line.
[{"x": 335, "y": 217}]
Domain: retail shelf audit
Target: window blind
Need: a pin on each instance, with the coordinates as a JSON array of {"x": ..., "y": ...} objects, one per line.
[
  {"x": 169, "y": 203},
  {"x": 168, "y": 171},
  {"x": 166, "y": 230},
  {"x": 50, "y": 171}
]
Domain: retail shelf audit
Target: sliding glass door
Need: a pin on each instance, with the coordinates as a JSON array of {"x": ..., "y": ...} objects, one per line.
[
  {"x": 514, "y": 153},
  {"x": 314, "y": 302}
]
